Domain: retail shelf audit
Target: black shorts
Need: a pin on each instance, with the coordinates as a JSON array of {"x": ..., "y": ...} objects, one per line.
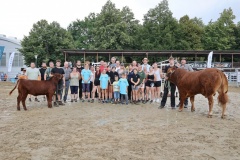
[
  {"x": 150, "y": 83},
  {"x": 74, "y": 89},
  {"x": 96, "y": 82},
  {"x": 157, "y": 83},
  {"x": 85, "y": 87}
]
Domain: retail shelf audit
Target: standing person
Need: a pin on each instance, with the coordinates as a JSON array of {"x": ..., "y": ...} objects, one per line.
[
  {"x": 42, "y": 72},
  {"x": 96, "y": 86},
  {"x": 134, "y": 64},
  {"x": 111, "y": 80},
  {"x": 113, "y": 62},
  {"x": 187, "y": 68},
  {"x": 74, "y": 84},
  {"x": 116, "y": 90},
  {"x": 32, "y": 73},
  {"x": 135, "y": 79},
  {"x": 79, "y": 69},
  {"x": 123, "y": 87},
  {"x": 141, "y": 83},
  {"x": 104, "y": 80},
  {"x": 121, "y": 70},
  {"x": 117, "y": 65},
  {"x": 158, "y": 80},
  {"x": 48, "y": 71},
  {"x": 92, "y": 69},
  {"x": 101, "y": 66},
  {"x": 168, "y": 86},
  {"x": 67, "y": 71},
  {"x": 61, "y": 83},
  {"x": 86, "y": 76},
  {"x": 150, "y": 85},
  {"x": 145, "y": 64},
  {"x": 129, "y": 76}
]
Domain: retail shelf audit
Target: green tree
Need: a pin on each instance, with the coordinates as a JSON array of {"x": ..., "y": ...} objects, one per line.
[
  {"x": 159, "y": 28},
  {"x": 189, "y": 34},
  {"x": 219, "y": 35},
  {"x": 45, "y": 40}
]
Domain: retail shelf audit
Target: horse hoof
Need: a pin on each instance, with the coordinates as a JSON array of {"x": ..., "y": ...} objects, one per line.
[
  {"x": 209, "y": 116},
  {"x": 180, "y": 110},
  {"x": 223, "y": 117},
  {"x": 193, "y": 110}
]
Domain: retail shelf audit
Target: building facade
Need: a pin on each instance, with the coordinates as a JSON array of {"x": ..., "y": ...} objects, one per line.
[{"x": 11, "y": 44}]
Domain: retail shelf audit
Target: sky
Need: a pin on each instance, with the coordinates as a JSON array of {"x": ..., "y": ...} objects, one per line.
[{"x": 18, "y": 16}]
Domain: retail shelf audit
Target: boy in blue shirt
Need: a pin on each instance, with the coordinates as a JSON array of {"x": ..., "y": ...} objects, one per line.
[
  {"x": 123, "y": 86},
  {"x": 104, "y": 79},
  {"x": 86, "y": 76}
]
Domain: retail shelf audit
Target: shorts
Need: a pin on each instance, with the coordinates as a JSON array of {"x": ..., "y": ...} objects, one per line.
[
  {"x": 150, "y": 84},
  {"x": 96, "y": 82},
  {"x": 157, "y": 83},
  {"x": 116, "y": 95},
  {"x": 142, "y": 85},
  {"x": 74, "y": 89},
  {"x": 86, "y": 87},
  {"x": 134, "y": 88}
]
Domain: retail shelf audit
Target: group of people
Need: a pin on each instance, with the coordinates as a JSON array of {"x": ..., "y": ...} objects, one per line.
[{"x": 109, "y": 83}]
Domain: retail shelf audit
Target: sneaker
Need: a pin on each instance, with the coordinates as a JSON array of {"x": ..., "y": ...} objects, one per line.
[
  {"x": 30, "y": 100},
  {"x": 60, "y": 103},
  {"x": 71, "y": 100},
  {"x": 55, "y": 104},
  {"x": 83, "y": 100},
  {"x": 158, "y": 100},
  {"x": 92, "y": 100},
  {"x": 65, "y": 101},
  {"x": 178, "y": 105},
  {"x": 103, "y": 101},
  {"x": 173, "y": 107},
  {"x": 89, "y": 101},
  {"x": 75, "y": 100},
  {"x": 106, "y": 101},
  {"x": 36, "y": 100},
  {"x": 151, "y": 101},
  {"x": 185, "y": 106},
  {"x": 161, "y": 107}
]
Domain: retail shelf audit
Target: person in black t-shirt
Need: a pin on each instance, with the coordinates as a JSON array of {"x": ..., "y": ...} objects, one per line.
[
  {"x": 168, "y": 86},
  {"x": 42, "y": 70},
  {"x": 135, "y": 79},
  {"x": 111, "y": 80},
  {"x": 61, "y": 83}
]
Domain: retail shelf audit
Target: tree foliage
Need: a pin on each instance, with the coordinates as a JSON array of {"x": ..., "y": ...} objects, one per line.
[{"x": 45, "y": 40}]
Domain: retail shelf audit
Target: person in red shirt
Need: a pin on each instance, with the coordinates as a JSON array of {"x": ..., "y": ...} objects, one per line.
[{"x": 101, "y": 67}]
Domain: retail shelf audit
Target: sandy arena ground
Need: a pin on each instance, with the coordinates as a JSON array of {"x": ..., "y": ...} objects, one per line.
[{"x": 108, "y": 132}]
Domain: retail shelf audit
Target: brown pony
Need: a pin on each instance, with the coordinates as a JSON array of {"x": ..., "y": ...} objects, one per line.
[{"x": 206, "y": 82}]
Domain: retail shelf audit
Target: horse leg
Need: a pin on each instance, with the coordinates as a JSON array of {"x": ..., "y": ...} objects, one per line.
[
  {"x": 223, "y": 110},
  {"x": 18, "y": 101},
  {"x": 210, "y": 103},
  {"x": 192, "y": 102},
  {"x": 49, "y": 99},
  {"x": 182, "y": 99},
  {"x": 24, "y": 96}
]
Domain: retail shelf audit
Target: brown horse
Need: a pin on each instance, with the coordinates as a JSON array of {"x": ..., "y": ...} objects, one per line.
[
  {"x": 206, "y": 82},
  {"x": 36, "y": 87}
]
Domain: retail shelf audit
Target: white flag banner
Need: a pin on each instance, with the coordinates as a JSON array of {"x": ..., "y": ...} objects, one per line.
[
  {"x": 10, "y": 62},
  {"x": 209, "y": 63}
]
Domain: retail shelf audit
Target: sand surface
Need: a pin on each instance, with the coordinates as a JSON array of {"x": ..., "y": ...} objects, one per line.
[{"x": 108, "y": 132}]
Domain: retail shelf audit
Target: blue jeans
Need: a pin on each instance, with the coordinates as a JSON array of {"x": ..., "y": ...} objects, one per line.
[
  {"x": 116, "y": 95},
  {"x": 66, "y": 88},
  {"x": 125, "y": 96}
]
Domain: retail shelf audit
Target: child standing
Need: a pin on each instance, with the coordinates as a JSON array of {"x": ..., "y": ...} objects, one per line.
[
  {"x": 116, "y": 90},
  {"x": 123, "y": 86},
  {"x": 104, "y": 78},
  {"x": 74, "y": 84},
  {"x": 135, "y": 80}
]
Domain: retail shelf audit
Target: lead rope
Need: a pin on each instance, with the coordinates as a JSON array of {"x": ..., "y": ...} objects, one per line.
[{"x": 167, "y": 85}]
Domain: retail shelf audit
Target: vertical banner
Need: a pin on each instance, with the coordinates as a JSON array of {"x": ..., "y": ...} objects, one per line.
[
  {"x": 10, "y": 62},
  {"x": 1, "y": 52},
  {"x": 209, "y": 63}
]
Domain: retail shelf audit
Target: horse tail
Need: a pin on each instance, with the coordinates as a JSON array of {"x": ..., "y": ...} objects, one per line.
[
  {"x": 223, "y": 97},
  {"x": 14, "y": 88}
]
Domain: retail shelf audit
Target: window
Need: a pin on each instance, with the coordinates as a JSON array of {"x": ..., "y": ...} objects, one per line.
[{"x": 3, "y": 60}]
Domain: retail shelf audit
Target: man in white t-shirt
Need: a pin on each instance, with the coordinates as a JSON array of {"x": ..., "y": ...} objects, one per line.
[
  {"x": 32, "y": 73},
  {"x": 145, "y": 64}
]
